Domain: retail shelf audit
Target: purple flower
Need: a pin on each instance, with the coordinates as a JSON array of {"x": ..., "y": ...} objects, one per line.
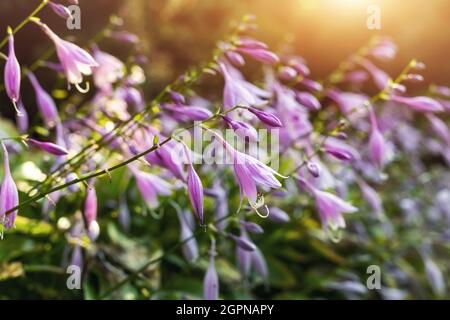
[
  {"x": 242, "y": 129},
  {"x": 330, "y": 207},
  {"x": 211, "y": 280},
  {"x": 421, "y": 104},
  {"x": 385, "y": 50},
  {"x": 90, "y": 206},
  {"x": 380, "y": 77},
  {"x": 150, "y": 186},
  {"x": 9, "y": 196},
  {"x": 190, "y": 247},
  {"x": 49, "y": 147},
  {"x": 234, "y": 92},
  {"x": 372, "y": 198},
  {"x": 60, "y": 10},
  {"x": 278, "y": 216},
  {"x": 439, "y": 127},
  {"x": 252, "y": 227},
  {"x": 287, "y": 73},
  {"x": 340, "y": 150},
  {"x": 259, "y": 264},
  {"x": 109, "y": 70},
  {"x": 243, "y": 257},
  {"x": 195, "y": 191},
  {"x": 261, "y": 55},
  {"x": 45, "y": 103},
  {"x": 266, "y": 117},
  {"x": 190, "y": 112},
  {"x": 22, "y": 117},
  {"x": 377, "y": 144},
  {"x": 125, "y": 37},
  {"x": 75, "y": 61},
  {"x": 250, "y": 43},
  {"x": 235, "y": 58},
  {"x": 348, "y": 102},
  {"x": 313, "y": 168},
  {"x": 308, "y": 100},
  {"x": 12, "y": 73},
  {"x": 177, "y": 97}
]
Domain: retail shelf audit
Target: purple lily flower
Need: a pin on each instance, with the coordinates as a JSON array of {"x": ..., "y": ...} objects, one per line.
[
  {"x": 9, "y": 196},
  {"x": 330, "y": 207},
  {"x": 278, "y": 216},
  {"x": 190, "y": 112},
  {"x": 234, "y": 93},
  {"x": 45, "y": 103},
  {"x": 287, "y": 73},
  {"x": 420, "y": 104},
  {"x": 211, "y": 280},
  {"x": 261, "y": 55},
  {"x": 195, "y": 191},
  {"x": 22, "y": 119},
  {"x": 340, "y": 150},
  {"x": 439, "y": 127},
  {"x": 308, "y": 100},
  {"x": 190, "y": 247},
  {"x": 242, "y": 129},
  {"x": 377, "y": 144},
  {"x": 380, "y": 77},
  {"x": 150, "y": 186},
  {"x": 259, "y": 264},
  {"x": 243, "y": 257},
  {"x": 235, "y": 58},
  {"x": 60, "y": 10},
  {"x": 266, "y": 117},
  {"x": 372, "y": 198},
  {"x": 49, "y": 147},
  {"x": 75, "y": 61},
  {"x": 109, "y": 70},
  {"x": 12, "y": 74}
]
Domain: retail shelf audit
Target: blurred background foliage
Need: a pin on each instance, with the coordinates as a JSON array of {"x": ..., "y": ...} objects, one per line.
[{"x": 176, "y": 34}]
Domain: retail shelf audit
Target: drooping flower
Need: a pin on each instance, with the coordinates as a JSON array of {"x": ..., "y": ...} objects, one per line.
[
  {"x": 308, "y": 100},
  {"x": 234, "y": 93},
  {"x": 380, "y": 77},
  {"x": 109, "y": 70},
  {"x": 150, "y": 186},
  {"x": 420, "y": 104},
  {"x": 45, "y": 103},
  {"x": 259, "y": 264},
  {"x": 262, "y": 55},
  {"x": 235, "y": 58},
  {"x": 22, "y": 119},
  {"x": 60, "y": 10},
  {"x": 439, "y": 127},
  {"x": 377, "y": 144},
  {"x": 243, "y": 257},
  {"x": 49, "y": 147},
  {"x": 12, "y": 73},
  {"x": 242, "y": 129},
  {"x": 278, "y": 216},
  {"x": 330, "y": 207},
  {"x": 192, "y": 113},
  {"x": 372, "y": 198},
  {"x": 211, "y": 280},
  {"x": 190, "y": 246},
  {"x": 287, "y": 73},
  {"x": 195, "y": 191},
  {"x": 340, "y": 150},
  {"x": 9, "y": 196},
  {"x": 266, "y": 117},
  {"x": 75, "y": 61},
  {"x": 90, "y": 213},
  {"x": 251, "y": 227}
]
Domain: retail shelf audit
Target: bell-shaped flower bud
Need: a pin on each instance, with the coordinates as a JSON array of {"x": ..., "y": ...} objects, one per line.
[
  {"x": 49, "y": 147},
  {"x": 9, "y": 196},
  {"x": 12, "y": 74},
  {"x": 266, "y": 117},
  {"x": 211, "y": 280}
]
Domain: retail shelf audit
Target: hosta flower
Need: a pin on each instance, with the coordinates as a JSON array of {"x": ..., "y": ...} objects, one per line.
[
  {"x": 109, "y": 70},
  {"x": 90, "y": 212},
  {"x": 49, "y": 147},
  {"x": 266, "y": 117},
  {"x": 60, "y": 10},
  {"x": 190, "y": 246},
  {"x": 385, "y": 50},
  {"x": 243, "y": 257},
  {"x": 261, "y": 55},
  {"x": 45, "y": 103},
  {"x": 439, "y": 127},
  {"x": 211, "y": 280},
  {"x": 242, "y": 129},
  {"x": 259, "y": 264},
  {"x": 75, "y": 61},
  {"x": 12, "y": 74},
  {"x": 192, "y": 113},
  {"x": 330, "y": 207},
  {"x": 234, "y": 93},
  {"x": 9, "y": 196},
  {"x": 420, "y": 104},
  {"x": 235, "y": 58},
  {"x": 340, "y": 150},
  {"x": 22, "y": 118},
  {"x": 278, "y": 216},
  {"x": 308, "y": 100},
  {"x": 195, "y": 191},
  {"x": 287, "y": 73},
  {"x": 372, "y": 198},
  {"x": 380, "y": 77},
  {"x": 150, "y": 186},
  {"x": 377, "y": 144}
]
